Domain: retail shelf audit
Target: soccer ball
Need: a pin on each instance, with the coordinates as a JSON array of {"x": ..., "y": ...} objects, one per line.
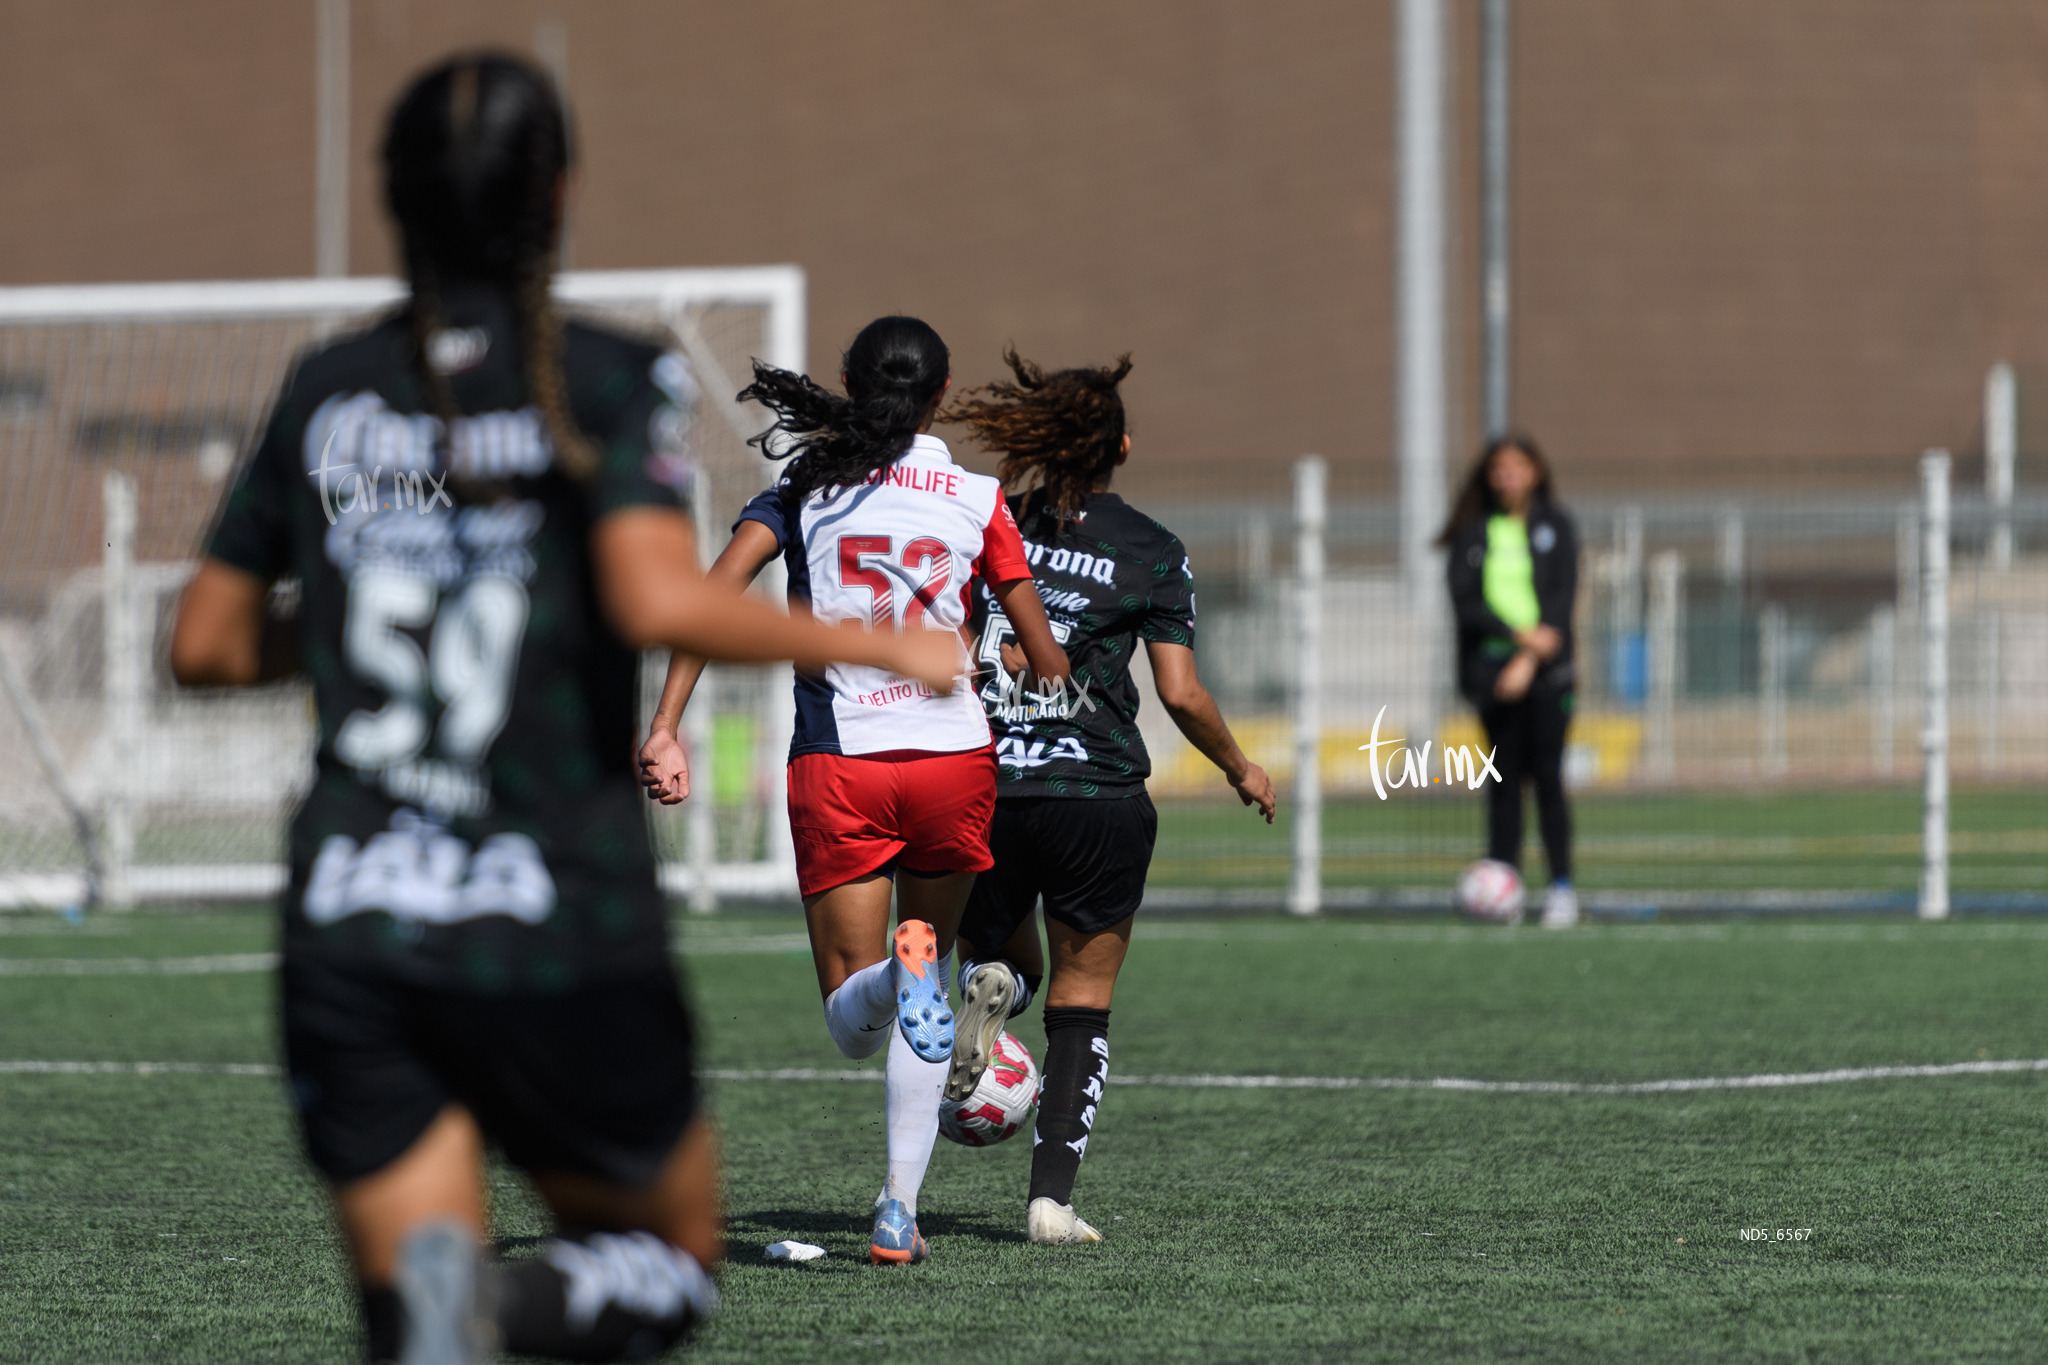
[
  {"x": 1491, "y": 890},
  {"x": 1001, "y": 1104}
]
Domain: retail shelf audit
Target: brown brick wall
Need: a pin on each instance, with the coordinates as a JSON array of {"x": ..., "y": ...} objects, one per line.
[{"x": 1746, "y": 230}]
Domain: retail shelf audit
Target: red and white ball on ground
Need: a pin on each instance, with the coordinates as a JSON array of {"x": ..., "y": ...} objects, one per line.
[
  {"x": 1001, "y": 1104},
  {"x": 1491, "y": 890}
]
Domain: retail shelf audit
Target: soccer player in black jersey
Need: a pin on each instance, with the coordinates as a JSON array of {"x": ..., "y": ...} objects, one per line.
[
  {"x": 1073, "y": 823},
  {"x": 479, "y": 505}
]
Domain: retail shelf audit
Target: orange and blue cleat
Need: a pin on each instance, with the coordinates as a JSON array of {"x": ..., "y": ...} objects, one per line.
[
  {"x": 922, "y": 1011},
  {"x": 896, "y": 1240}
]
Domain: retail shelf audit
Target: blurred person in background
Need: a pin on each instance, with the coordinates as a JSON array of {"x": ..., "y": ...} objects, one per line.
[
  {"x": 479, "y": 505},
  {"x": 1514, "y": 574},
  {"x": 1073, "y": 823}
]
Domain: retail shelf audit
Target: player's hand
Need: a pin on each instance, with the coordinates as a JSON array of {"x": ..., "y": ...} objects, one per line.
[
  {"x": 1256, "y": 789},
  {"x": 935, "y": 658},
  {"x": 1544, "y": 641},
  {"x": 1513, "y": 682},
  {"x": 664, "y": 768}
]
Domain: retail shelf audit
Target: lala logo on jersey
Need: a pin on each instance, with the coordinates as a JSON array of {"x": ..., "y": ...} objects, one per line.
[{"x": 1013, "y": 751}]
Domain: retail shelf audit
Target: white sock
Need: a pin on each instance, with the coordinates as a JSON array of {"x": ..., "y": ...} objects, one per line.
[
  {"x": 912, "y": 1107},
  {"x": 861, "y": 1014}
]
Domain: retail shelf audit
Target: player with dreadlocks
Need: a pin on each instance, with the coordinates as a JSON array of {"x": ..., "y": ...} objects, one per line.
[
  {"x": 1073, "y": 823},
  {"x": 880, "y": 530},
  {"x": 478, "y": 502}
]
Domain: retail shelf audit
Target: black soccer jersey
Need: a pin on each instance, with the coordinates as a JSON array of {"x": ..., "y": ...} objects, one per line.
[
  {"x": 1110, "y": 579},
  {"x": 474, "y": 821}
]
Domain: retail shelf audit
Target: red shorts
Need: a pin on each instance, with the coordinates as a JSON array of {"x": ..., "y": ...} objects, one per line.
[{"x": 852, "y": 816}]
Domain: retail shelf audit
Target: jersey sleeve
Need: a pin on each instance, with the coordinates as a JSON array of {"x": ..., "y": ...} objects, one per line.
[
  {"x": 1170, "y": 606},
  {"x": 253, "y": 533},
  {"x": 771, "y": 508},
  {"x": 646, "y": 440},
  {"x": 1002, "y": 558}
]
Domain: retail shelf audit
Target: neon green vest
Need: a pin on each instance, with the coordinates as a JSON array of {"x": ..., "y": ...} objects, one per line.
[{"x": 1509, "y": 578}]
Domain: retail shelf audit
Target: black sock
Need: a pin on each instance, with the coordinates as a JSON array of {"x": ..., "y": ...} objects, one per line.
[
  {"x": 1076, "y": 1068},
  {"x": 602, "y": 1298},
  {"x": 380, "y": 1322}
]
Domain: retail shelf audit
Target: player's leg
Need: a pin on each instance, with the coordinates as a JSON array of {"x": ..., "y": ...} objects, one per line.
[
  {"x": 1549, "y": 720},
  {"x": 593, "y": 1092},
  {"x": 844, "y": 823},
  {"x": 1001, "y": 965},
  {"x": 402, "y": 1157},
  {"x": 1098, "y": 853},
  {"x": 1506, "y": 733}
]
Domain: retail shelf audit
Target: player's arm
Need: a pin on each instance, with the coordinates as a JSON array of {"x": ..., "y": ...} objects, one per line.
[
  {"x": 1195, "y": 712},
  {"x": 653, "y": 593},
  {"x": 225, "y": 635},
  {"x": 1018, "y": 601},
  {"x": 664, "y": 767}
]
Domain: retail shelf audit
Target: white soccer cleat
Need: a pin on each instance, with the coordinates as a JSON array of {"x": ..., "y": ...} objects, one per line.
[
  {"x": 985, "y": 1000},
  {"x": 1560, "y": 906},
  {"x": 1056, "y": 1225}
]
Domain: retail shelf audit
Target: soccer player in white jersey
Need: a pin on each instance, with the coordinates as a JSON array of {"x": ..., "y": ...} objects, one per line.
[{"x": 880, "y": 531}]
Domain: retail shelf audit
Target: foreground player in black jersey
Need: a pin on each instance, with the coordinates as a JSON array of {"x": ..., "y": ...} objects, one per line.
[
  {"x": 478, "y": 504},
  {"x": 1073, "y": 823}
]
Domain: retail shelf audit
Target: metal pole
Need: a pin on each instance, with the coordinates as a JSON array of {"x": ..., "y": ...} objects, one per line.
[
  {"x": 1420, "y": 325},
  {"x": 1884, "y": 644},
  {"x": 1770, "y": 626},
  {"x": 551, "y": 45},
  {"x": 1667, "y": 599},
  {"x": 1494, "y": 163},
  {"x": 2001, "y": 445},
  {"x": 122, "y": 681},
  {"x": 331, "y": 147},
  {"x": 700, "y": 727},
  {"x": 1934, "y": 475},
  {"x": 1305, "y": 895}
]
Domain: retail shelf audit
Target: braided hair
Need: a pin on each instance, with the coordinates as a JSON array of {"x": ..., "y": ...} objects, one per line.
[
  {"x": 473, "y": 165},
  {"x": 1066, "y": 428},
  {"x": 895, "y": 371}
]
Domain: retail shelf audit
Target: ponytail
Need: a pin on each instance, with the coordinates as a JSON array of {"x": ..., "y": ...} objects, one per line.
[
  {"x": 895, "y": 371},
  {"x": 473, "y": 161}
]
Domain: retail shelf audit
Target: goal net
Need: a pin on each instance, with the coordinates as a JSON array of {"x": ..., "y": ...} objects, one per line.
[{"x": 124, "y": 410}]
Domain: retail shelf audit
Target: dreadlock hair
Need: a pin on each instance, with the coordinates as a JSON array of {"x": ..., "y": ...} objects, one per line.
[
  {"x": 1066, "y": 428},
  {"x": 473, "y": 162},
  {"x": 895, "y": 371}
]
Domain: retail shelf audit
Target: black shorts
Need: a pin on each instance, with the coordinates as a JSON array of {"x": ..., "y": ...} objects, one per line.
[
  {"x": 1086, "y": 855},
  {"x": 597, "y": 1081}
]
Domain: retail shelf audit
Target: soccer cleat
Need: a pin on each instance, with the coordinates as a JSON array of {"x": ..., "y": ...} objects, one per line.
[
  {"x": 1560, "y": 906},
  {"x": 922, "y": 1011},
  {"x": 444, "y": 1297},
  {"x": 985, "y": 998},
  {"x": 1056, "y": 1225},
  {"x": 896, "y": 1240}
]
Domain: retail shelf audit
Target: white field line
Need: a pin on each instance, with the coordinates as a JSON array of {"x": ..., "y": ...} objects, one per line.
[
  {"x": 1765, "y": 1081},
  {"x": 222, "y": 964}
]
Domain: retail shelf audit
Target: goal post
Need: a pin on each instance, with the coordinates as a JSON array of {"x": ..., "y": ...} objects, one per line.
[{"x": 124, "y": 409}]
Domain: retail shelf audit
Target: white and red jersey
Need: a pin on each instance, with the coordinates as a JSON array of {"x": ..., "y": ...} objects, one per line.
[{"x": 896, "y": 552}]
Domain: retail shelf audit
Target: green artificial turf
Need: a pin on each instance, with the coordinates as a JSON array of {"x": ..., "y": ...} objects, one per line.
[
  {"x": 168, "y": 1216},
  {"x": 1842, "y": 841}
]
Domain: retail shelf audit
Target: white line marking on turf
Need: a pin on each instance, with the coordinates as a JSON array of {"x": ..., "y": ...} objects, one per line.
[
  {"x": 218, "y": 965},
  {"x": 1771, "y": 1080},
  {"x": 138, "y": 1068}
]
